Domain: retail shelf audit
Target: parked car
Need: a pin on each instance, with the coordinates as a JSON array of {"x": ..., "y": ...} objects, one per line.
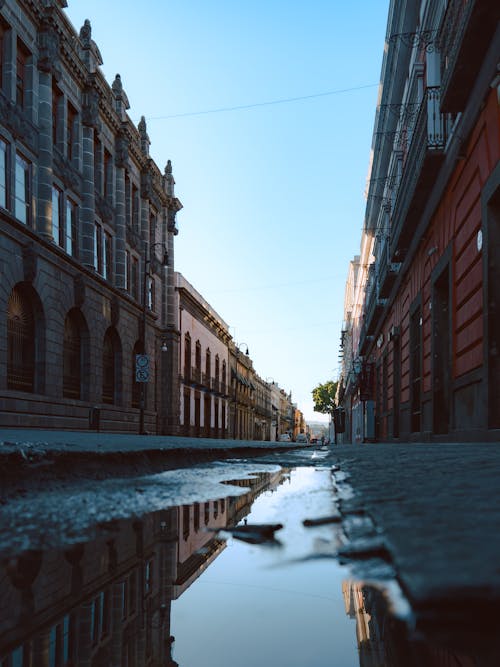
[
  {"x": 285, "y": 437},
  {"x": 301, "y": 438}
]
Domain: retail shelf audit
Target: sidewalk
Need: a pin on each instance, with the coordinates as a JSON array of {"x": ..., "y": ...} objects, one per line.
[
  {"x": 47, "y": 443},
  {"x": 436, "y": 512}
]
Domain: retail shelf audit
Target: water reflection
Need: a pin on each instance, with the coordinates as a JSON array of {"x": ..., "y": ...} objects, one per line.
[
  {"x": 108, "y": 601},
  {"x": 387, "y": 641}
]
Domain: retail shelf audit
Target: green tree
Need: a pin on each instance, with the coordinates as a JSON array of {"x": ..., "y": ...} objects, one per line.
[{"x": 324, "y": 397}]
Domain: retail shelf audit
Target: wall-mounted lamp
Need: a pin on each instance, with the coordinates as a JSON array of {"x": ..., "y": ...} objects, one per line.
[
  {"x": 164, "y": 346},
  {"x": 239, "y": 345}
]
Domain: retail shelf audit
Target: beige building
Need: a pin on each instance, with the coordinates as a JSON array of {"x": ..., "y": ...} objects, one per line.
[{"x": 204, "y": 390}]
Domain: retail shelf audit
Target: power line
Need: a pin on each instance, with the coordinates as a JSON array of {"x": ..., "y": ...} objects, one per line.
[{"x": 241, "y": 107}]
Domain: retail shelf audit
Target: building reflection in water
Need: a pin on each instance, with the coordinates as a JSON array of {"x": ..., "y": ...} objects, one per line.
[
  {"x": 385, "y": 641},
  {"x": 108, "y": 601}
]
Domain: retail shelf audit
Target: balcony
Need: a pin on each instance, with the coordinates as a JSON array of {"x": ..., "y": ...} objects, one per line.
[
  {"x": 374, "y": 307},
  {"x": 424, "y": 159},
  {"x": 387, "y": 274},
  {"x": 464, "y": 37}
]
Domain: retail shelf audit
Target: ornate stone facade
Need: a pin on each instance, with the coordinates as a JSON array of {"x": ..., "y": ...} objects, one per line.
[{"x": 86, "y": 218}]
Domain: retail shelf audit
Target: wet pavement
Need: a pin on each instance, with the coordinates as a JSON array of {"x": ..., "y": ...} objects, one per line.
[{"x": 419, "y": 520}]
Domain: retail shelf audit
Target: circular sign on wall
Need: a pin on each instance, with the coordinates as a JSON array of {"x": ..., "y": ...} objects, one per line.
[{"x": 479, "y": 240}]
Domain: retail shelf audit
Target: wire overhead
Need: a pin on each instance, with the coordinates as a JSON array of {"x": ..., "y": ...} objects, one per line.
[{"x": 241, "y": 107}]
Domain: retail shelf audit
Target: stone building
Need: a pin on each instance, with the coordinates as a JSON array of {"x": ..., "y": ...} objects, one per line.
[
  {"x": 87, "y": 225},
  {"x": 428, "y": 337}
]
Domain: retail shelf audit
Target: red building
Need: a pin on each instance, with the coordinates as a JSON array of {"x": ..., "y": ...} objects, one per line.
[{"x": 430, "y": 325}]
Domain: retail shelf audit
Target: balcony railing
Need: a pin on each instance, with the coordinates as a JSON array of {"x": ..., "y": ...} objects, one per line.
[
  {"x": 419, "y": 171},
  {"x": 464, "y": 36},
  {"x": 387, "y": 272}
]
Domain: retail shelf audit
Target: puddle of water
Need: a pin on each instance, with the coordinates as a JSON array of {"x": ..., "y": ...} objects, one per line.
[
  {"x": 176, "y": 586},
  {"x": 272, "y": 605}
]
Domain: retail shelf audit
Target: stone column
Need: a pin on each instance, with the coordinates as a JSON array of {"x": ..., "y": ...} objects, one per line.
[
  {"x": 44, "y": 171},
  {"x": 49, "y": 68},
  {"x": 121, "y": 156},
  {"x": 90, "y": 121}
]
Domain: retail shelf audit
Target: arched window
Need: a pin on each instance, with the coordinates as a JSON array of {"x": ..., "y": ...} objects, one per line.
[
  {"x": 110, "y": 366},
  {"x": 198, "y": 355},
  {"x": 136, "y": 386},
  {"x": 208, "y": 364},
  {"x": 224, "y": 377},
  {"x": 72, "y": 357},
  {"x": 20, "y": 342}
]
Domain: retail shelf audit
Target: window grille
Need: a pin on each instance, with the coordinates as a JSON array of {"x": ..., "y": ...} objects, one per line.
[{"x": 20, "y": 343}]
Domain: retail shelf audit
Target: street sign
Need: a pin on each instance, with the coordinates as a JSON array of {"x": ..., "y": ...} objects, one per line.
[{"x": 142, "y": 368}]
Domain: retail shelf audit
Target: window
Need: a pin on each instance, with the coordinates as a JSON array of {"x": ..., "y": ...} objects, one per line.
[
  {"x": 72, "y": 365},
  {"x": 108, "y": 175},
  {"x": 187, "y": 357},
  {"x": 127, "y": 270},
  {"x": 208, "y": 364},
  {"x": 198, "y": 355},
  {"x": 70, "y": 240},
  {"x": 186, "y": 514},
  {"x": 134, "y": 278},
  {"x": 57, "y": 116},
  {"x": 128, "y": 210},
  {"x": 3, "y": 175},
  {"x": 107, "y": 257},
  {"x": 2, "y": 57},
  {"x": 152, "y": 230},
  {"x": 59, "y": 644},
  {"x": 56, "y": 215},
  {"x": 135, "y": 208},
  {"x": 22, "y": 189},
  {"x": 20, "y": 343},
  {"x": 21, "y": 74},
  {"x": 187, "y": 410},
  {"x": 98, "y": 258},
  {"x": 71, "y": 131},
  {"x": 97, "y": 165},
  {"x": 148, "y": 577}
]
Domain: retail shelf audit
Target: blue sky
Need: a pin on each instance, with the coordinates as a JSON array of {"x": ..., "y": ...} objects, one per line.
[{"x": 273, "y": 194}]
